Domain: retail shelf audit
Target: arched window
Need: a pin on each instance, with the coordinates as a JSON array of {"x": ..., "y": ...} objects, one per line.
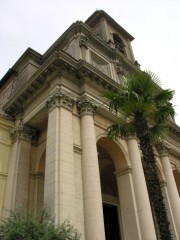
[{"x": 118, "y": 43}]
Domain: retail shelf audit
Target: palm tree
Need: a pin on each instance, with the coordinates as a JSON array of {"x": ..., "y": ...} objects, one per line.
[{"x": 143, "y": 109}]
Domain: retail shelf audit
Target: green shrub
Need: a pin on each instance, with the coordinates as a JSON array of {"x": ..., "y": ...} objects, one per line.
[{"x": 24, "y": 226}]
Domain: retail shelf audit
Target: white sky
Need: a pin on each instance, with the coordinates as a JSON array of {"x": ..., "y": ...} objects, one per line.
[{"x": 155, "y": 24}]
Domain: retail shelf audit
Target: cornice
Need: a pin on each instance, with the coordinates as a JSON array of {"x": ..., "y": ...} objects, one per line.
[
  {"x": 82, "y": 71},
  {"x": 110, "y": 52},
  {"x": 86, "y": 32},
  {"x": 58, "y": 62},
  {"x": 174, "y": 131},
  {"x": 99, "y": 14},
  {"x": 13, "y": 106},
  {"x": 28, "y": 54},
  {"x": 64, "y": 62},
  {"x": 76, "y": 28}
]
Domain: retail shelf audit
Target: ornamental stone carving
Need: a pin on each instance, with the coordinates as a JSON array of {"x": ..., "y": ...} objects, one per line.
[
  {"x": 86, "y": 106},
  {"x": 119, "y": 68},
  {"x": 25, "y": 132},
  {"x": 163, "y": 149},
  {"x": 83, "y": 41},
  {"x": 60, "y": 98}
]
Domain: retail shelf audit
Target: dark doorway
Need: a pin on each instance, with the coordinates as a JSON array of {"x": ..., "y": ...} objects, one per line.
[{"x": 111, "y": 222}]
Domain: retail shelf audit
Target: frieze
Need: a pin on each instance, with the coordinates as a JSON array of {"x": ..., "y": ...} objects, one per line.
[{"x": 96, "y": 79}]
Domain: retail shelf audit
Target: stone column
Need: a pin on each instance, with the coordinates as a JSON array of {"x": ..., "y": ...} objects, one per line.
[
  {"x": 17, "y": 188},
  {"x": 163, "y": 150},
  {"x": 142, "y": 199},
  {"x": 169, "y": 211},
  {"x": 94, "y": 223},
  {"x": 128, "y": 209},
  {"x": 59, "y": 170}
]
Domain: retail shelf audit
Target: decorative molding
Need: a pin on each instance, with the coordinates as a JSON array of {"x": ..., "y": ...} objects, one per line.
[
  {"x": 123, "y": 171},
  {"x": 119, "y": 68},
  {"x": 24, "y": 131},
  {"x": 37, "y": 175},
  {"x": 174, "y": 131},
  {"x": 163, "y": 183},
  {"x": 86, "y": 106},
  {"x": 60, "y": 98},
  {"x": 77, "y": 149},
  {"x": 3, "y": 175}
]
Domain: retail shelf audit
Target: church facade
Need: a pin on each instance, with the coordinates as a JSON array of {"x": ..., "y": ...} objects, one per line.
[{"x": 54, "y": 151}]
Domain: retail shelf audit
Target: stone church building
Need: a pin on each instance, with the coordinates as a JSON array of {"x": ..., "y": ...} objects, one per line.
[{"x": 53, "y": 147}]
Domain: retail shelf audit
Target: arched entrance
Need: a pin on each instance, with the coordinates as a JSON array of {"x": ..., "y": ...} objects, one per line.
[
  {"x": 36, "y": 189},
  {"x": 109, "y": 189},
  {"x": 40, "y": 183}
]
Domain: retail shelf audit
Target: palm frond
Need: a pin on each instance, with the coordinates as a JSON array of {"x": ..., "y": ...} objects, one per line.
[
  {"x": 140, "y": 92},
  {"x": 163, "y": 113},
  {"x": 114, "y": 100},
  {"x": 154, "y": 77},
  {"x": 157, "y": 132},
  {"x": 164, "y": 96},
  {"x": 122, "y": 129}
]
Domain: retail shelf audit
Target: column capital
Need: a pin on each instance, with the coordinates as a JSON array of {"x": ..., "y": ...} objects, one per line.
[
  {"x": 86, "y": 106},
  {"x": 60, "y": 98},
  {"x": 83, "y": 41},
  {"x": 163, "y": 149},
  {"x": 163, "y": 183},
  {"x": 132, "y": 137},
  {"x": 25, "y": 132}
]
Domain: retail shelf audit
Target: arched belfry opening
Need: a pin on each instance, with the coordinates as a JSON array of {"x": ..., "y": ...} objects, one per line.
[{"x": 108, "y": 158}]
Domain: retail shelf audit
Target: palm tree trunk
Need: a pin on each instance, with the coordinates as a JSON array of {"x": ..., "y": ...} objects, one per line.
[{"x": 151, "y": 176}]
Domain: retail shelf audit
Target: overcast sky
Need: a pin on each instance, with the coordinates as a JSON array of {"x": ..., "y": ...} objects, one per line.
[{"x": 155, "y": 25}]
